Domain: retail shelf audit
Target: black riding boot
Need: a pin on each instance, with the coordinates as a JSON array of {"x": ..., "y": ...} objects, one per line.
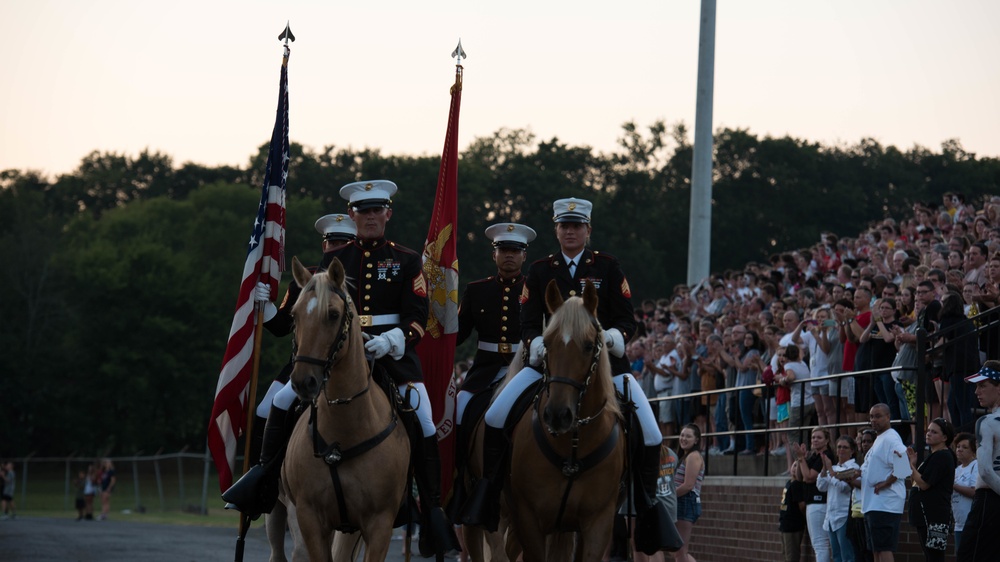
[
  {"x": 436, "y": 531},
  {"x": 649, "y": 474},
  {"x": 256, "y": 491},
  {"x": 458, "y": 493},
  {"x": 483, "y": 507},
  {"x": 654, "y": 531},
  {"x": 256, "y": 440}
]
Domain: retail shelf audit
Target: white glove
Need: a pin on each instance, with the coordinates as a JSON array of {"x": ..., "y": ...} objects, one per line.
[
  {"x": 262, "y": 296},
  {"x": 616, "y": 342},
  {"x": 391, "y": 343},
  {"x": 262, "y": 292},
  {"x": 536, "y": 351}
]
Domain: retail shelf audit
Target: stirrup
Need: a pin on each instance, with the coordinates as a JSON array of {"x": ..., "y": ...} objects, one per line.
[
  {"x": 483, "y": 508},
  {"x": 437, "y": 533},
  {"x": 254, "y": 493}
]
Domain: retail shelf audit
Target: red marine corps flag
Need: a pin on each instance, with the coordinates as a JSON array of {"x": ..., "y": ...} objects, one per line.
[
  {"x": 265, "y": 262},
  {"x": 437, "y": 348}
]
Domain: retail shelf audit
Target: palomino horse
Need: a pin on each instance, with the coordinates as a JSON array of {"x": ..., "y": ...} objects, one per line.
[
  {"x": 568, "y": 455},
  {"x": 346, "y": 464}
]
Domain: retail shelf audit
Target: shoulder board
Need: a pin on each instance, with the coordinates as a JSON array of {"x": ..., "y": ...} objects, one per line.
[
  {"x": 401, "y": 248},
  {"x": 604, "y": 256},
  {"x": 481, "y": 281},
  {"x": 546, "y": 259}
]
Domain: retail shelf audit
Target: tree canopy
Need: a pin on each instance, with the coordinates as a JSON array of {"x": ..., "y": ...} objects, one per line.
[{"x": 120, "y": 278}]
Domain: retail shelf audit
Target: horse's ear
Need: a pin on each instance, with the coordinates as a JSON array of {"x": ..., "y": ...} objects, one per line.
[
  {"x": 590, "y": 298},
  {"x": 300, "y": 273},
  {"x": 553, "y": 298},
  {"x": 336, "y": 272}
]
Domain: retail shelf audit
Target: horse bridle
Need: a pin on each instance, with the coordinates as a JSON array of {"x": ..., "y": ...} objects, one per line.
[
  {"x": 572, "y": 466},
  {"x": 582, "y": 387},
  {"x": 332, "y": 453},
  {"x": 331, "y": 358}
]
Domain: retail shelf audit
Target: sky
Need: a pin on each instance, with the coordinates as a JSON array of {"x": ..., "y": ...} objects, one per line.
[{"x": 197, "y": 80}]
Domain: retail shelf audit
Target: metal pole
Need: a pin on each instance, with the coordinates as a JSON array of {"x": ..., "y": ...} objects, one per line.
[
  {"x": 700, "y": 232},
  {"x": 921, "y": 401}
]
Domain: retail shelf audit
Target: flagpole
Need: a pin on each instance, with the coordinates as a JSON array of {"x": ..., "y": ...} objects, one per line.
[{"x": 258, "y": 336}]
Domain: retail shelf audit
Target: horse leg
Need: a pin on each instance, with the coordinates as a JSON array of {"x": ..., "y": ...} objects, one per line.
[
  {"x": 346, "y": 546},
  {"x": 378, "y": 534},
  {"x": 528, "y": 535},
  {"x": 318, "y": 539},
  {"x": 299, "y": 553},
  {"x": 493, "y": 543},
  {"x": 274, "y": 523},
  {"x": 560, "y": 546},
  {"x": 594, "y": 538}
]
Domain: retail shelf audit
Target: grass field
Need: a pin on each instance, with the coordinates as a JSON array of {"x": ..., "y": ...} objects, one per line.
[{"x": 169, "y": 489}]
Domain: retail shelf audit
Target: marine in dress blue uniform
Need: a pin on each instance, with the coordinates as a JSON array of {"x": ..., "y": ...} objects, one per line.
[
  {"x": 571, "y": 268},
  {"x": 491, "y": 307},
  {"x": 256, "y": 491},
  {"x": 390, "y": 297}
]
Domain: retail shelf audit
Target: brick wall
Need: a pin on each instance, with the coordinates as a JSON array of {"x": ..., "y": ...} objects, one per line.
[{"x": 739, "y": 521}]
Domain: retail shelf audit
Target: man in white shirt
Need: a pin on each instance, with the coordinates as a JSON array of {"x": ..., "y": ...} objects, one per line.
[
  {"x": 667, "y": 368},
  {"x": 882, "y": 485}
]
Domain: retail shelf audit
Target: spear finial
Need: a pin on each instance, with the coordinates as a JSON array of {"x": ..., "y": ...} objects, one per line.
[
  {"x": 458, "y": 53},
  {"x": 286, "y": 35}
]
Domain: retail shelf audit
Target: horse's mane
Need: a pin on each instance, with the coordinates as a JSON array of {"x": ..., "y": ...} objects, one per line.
[{"x": 572, "y": 322}]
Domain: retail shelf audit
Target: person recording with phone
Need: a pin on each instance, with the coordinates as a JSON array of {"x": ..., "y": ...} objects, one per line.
[{"x": 880, "y": 337}]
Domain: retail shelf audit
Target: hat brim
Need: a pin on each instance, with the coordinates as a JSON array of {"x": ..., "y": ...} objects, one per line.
[
  {"x": 572, "y": 218},
  {"x": 334, "y": 236},
  {"x": 977, "y": 378},
  {"x": 371, "y": 204},
  {"x": 510, "y": 244}
]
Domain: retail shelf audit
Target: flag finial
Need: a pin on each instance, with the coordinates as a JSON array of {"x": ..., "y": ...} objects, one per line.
[
  {"x": 287, "y": 35},
  {"x": 458, "y": 53}
]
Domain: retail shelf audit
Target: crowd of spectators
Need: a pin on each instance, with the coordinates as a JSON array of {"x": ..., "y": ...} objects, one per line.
[{"x": 842, "y": 305}]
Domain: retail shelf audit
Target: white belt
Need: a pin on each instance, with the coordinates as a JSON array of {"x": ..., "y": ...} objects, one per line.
[
  {"x": 368, "y": 320},
  {"x": 499, "y": 347}
]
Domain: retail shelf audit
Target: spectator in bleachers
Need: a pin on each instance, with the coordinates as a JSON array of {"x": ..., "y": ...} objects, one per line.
[
  {"x": 975, "y": 263},
  {"x": 878, "y": 339},
  {"x": 794, "y": 374},
  {"x": 768, "y": 403},
  {"x": 712, "y": 375},
  {"x": 824, "y": 345},
  {"x": 930, "y": 499},
  {"x": 960, "y": 360},
  {"x": 905, "y": 314},
  {"x": 815, "y": 460},
  {"x": 749, "y": 373},
  {"x": 964, "y": 488},
  {"x": 857, "y": 325},
  {"x": 838, "y": 499}
]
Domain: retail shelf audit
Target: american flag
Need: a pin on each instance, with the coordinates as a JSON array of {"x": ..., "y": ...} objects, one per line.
[{"x": 264, "y": 263}]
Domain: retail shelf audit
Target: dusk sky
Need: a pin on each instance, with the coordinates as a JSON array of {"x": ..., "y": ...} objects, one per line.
[{"x": 198, "y": 80}]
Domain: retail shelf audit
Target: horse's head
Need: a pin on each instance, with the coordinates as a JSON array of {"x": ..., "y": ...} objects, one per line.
[
  {"x": 323, "y": 316},
  {"x": 576, "y": 358}
]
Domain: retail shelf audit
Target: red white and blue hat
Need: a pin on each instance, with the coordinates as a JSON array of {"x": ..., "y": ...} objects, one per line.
[
  {"x": 369, "y": 194},
  {"x": 986, "y": 373},
  {"x": 510, "y": 234}
]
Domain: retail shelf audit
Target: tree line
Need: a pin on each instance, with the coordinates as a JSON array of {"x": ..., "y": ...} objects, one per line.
[{"x": 120, "y": 278}]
